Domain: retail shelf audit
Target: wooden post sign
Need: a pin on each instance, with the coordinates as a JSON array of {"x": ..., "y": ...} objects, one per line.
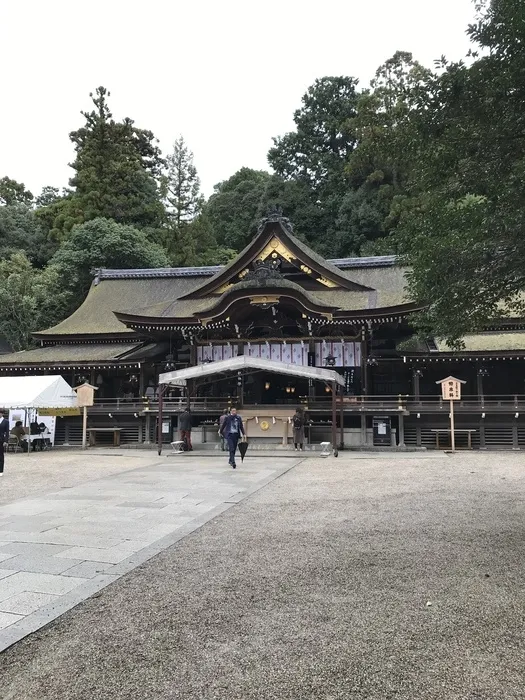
[
  {"x": 451, "y": 391},
  {"x": 85, "y": 398}
]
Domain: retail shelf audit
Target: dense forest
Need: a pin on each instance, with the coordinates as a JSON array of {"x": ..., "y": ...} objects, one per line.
[{"x": 426, "y": 162}]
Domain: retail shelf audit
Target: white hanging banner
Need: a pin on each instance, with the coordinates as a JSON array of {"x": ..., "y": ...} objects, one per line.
[
  {"x": 276, "y": 352},
  {"x": 215, "y": 353},
  {"x": 286, "y": 354},
  {"x": 346, "y": 353},
  {"x": 299, "y": 356},
  {"x": 337, "y": 352},
  {"x": 349, "y": 354},
  {"x": 265, "y": 351},
  {"x": 358, "y": 356}
]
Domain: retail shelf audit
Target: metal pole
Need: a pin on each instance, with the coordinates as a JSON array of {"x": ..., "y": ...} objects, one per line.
[
  {"x": 84, "y": 429},
  {"x": 452, "y": 435},
  {"x": 334, "y": 418},
  {"x": 159, "y": 419},
  {"x": 341, "y": 419}
]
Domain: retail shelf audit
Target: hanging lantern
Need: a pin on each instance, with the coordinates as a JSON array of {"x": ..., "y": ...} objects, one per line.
[
  {"x": 267, "y": 386},
  {"x": 288, "y": 389}
]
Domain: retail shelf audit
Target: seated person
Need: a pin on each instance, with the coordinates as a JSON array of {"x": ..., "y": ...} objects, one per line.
[
  {"x": 19, "y": 432},
  {"x": 34, "y": 428}
]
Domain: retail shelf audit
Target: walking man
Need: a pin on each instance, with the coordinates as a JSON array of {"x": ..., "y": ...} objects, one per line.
[
  {"x": 232, "y": 429},
  {"x": 185, "y": 428},
  {"x": 4, "y": 437}
]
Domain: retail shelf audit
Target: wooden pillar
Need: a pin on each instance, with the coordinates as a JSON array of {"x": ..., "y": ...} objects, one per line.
[
  {"x": 515, "y": 440},
  {"x": 240, "y": 387},
  {"x": 334, "y": 418},
  {"x": 148, "y": 428},
  {"x": 341, "y": 419},
  {"x": 159, "y": 419},
  {"x": 401, "y": 436},
  {"x": 482, "y": 444},
  {"x": 364, "y": 362},
  {"x": 190, "y": 383},
  {"x": 418, "y": 434},
  {"x": 311, "y": 383},
  {"x": 479, "y": 381},
  {"x": 363, "y": 429},
  {"x": 415, "y": 383},
  {"x": 142, "y": 378}
]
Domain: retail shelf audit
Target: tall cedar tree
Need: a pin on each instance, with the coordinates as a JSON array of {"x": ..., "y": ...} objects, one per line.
[
  {"x": 116, "y": 167},
  {"x": 189, "y": 235}
]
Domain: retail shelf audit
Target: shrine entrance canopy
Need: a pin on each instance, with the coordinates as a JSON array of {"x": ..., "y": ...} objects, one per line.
[{"x": 180, "y": 377}]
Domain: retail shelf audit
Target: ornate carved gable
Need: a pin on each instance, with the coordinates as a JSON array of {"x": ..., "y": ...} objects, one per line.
[{"x": 276, "y": 253}]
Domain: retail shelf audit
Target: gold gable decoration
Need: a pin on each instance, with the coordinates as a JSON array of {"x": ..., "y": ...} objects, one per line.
[
  {"x": 327, "y": 283},
  {"x": 276, "y": 248}
]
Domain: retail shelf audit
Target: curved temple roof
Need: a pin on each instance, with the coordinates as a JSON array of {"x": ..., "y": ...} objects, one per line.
[{"x": 181, "y": 376}]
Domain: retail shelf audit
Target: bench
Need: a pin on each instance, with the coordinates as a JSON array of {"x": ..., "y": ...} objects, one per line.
[
  {"x": 93, "y": 431},
  {"x": 456, "y": 431}
]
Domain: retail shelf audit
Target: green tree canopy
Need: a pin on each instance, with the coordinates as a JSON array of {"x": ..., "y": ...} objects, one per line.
[
  {"x": 462, "y": 228},
  {"x": 116, "y": 167},
  {"x": 21, "y": 231},
  {"x": 101, "y": 243},
  {"x": 30, "y": 300},
  {"x": 13, "y": 192},
  {"x": 317, "y": 150},
  {"x": 234, "y": 207}
]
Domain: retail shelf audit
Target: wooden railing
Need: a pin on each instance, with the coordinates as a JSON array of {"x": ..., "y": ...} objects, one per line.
[{"x": 400, "y": 402}]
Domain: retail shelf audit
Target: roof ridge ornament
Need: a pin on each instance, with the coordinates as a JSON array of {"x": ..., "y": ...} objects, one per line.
[
  {"x": 275, "y": 216},
  {"x": 263, "y": 271}
]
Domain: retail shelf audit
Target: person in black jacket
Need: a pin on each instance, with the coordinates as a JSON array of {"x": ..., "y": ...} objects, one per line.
[
  {"x": 4, "y": 437},
  {"x": 232, "y": 429},
  {"x": 185, "y": 428}
]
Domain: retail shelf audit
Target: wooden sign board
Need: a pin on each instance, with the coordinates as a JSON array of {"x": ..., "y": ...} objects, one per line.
[
  {"x": 70, "y": 411},
  {"x": 451, "y": 388},
  {"x": 451, "y": 391},
  {"x": 85, "y": 394}
]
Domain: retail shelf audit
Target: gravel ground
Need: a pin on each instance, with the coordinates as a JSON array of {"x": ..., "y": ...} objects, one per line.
[
  {"x": 41, "y": 472},
  {"x": 344, "y": 579}
]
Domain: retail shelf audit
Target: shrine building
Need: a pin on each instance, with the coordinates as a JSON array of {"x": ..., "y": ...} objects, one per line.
[{"x": 281, "y": 302}]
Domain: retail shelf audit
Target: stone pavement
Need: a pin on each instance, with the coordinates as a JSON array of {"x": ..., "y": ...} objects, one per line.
[
  {"x": 368, "y": 577},
  {"x": 88, "y": 518}
]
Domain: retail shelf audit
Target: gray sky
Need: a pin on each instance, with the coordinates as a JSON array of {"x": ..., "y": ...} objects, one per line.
[{"x": 227, "y": 74}]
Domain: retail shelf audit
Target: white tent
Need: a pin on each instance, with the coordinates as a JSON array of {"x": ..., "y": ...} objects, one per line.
[{"x": 51, "y": 391}]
